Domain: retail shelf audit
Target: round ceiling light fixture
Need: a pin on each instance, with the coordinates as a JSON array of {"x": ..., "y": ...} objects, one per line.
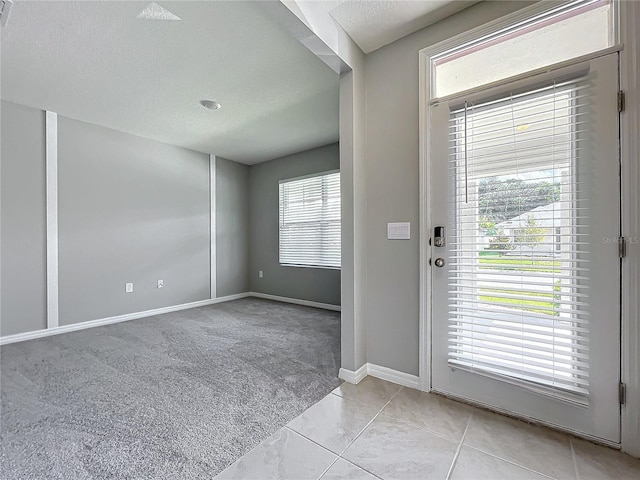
[{"x": 210, "y": 104}]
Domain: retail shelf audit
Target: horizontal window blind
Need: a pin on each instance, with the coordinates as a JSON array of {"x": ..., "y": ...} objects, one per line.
[
  {"x": 518, "y": 295},
  {"x": 310, "y": 221}
]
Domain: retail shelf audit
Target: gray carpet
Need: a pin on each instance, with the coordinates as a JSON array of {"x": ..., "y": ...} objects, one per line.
[{"x": 180, "y": 395}]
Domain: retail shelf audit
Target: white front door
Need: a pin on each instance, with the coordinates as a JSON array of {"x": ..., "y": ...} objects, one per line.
[{"x": 525, "y": 293}]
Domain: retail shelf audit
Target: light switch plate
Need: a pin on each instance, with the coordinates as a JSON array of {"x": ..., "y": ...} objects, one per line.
[
  {"x": 5, "y": 8},
  {"x": 399, "y": 231}
]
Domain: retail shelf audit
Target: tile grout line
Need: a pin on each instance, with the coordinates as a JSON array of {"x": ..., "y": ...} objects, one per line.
[
  {"x": 420, "y": 427},
  {"x": 350, "y": 400},
  {"x": 246, "y": 453},
  {"x": 362, "y": 431},
  {"x": 369, "y": 423},
  {"x": 321, "y": 446},
  {"x": 324, "y": 472},
  {"x": 339, "y": 456},
  {"x": 575, "y": 461},
  {"x": 350, "y": 463},
  {"x": 312, "y": 441},
  {"x": 509, "y": 461},
  {"x": 361, "y": 468},
  {"x": 457, "y": 454}
]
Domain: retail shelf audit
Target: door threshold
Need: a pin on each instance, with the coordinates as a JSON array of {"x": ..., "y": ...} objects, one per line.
[{"x": 529, "y": 420}]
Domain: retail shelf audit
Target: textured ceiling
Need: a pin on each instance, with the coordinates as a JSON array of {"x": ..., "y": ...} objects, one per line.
[
  {"x": 373, "y": 24},
  {"x": 97, "y": 62}
]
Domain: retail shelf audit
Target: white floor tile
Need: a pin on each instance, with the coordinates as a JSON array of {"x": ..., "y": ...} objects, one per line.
[
  {"x": 371, "y": 391},
  {"x": 595, "y": 462},
  {"x": 345, "y": 470},
  {"x": 472, "y": 464},
  {"x": 392, "y": 449},
  {"x": 433, "y": 412},
  {"x": 534, "y": 447},
  {"x": 333, "y": 422},
  {"x": 285, "y": 455}
]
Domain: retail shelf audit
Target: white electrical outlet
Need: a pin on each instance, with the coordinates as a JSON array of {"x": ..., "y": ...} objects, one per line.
[
  {"x": 160, "y": 283},
  {"x": 260, "y": 275},
  {"x": 128, "y": 287}
]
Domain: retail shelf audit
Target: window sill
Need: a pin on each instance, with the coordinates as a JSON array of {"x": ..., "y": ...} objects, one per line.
[{"x": 319, "y": 267}]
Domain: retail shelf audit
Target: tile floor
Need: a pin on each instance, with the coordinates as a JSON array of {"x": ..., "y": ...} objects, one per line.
[{"x": 377, "y": 429}]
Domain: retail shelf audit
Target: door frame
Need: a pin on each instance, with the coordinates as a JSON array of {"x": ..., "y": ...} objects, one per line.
[{"x": 626, "y": 25}]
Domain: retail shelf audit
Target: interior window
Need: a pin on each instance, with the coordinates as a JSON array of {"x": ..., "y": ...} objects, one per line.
[{"x": 310, "y": 221}]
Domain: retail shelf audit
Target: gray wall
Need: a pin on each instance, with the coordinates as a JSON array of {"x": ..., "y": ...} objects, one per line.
[
  {"x": 130, "y": 210},
  {"x": 314, "y": 284},
  {"x": 23, "y": 217},
  {"x": 232, "y": 227},
  {"x": 392, "y": 189}
]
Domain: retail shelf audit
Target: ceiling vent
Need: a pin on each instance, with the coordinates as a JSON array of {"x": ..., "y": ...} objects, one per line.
[{"x": 153, "y": 11}]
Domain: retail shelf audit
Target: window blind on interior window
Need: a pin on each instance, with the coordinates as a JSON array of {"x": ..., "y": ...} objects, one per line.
[
  {"x": 310, "y": 221},
  {"x": 518, "y": 283}
]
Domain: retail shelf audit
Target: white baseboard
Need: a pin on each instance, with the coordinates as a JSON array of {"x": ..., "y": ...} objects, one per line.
[
  {"x": 21, "y": 337},
  {"x": 382, "y": 373},
  {"x": 393, "y": 376},
  {"x": 306, "y": 303},
  {"x": 353, "y": 377}
]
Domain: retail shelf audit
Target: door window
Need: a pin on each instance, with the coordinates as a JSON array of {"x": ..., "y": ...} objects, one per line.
[{"x": 518, "y": 303}]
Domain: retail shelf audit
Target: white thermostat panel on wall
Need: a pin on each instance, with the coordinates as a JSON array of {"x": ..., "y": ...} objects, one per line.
[{"x": 399, "y": 231}]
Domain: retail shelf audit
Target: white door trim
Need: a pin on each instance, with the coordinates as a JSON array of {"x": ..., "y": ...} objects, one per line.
[
  {"x": 629, "y": 21},
  {"x": 424, "y": 169},
  {"x": 51, "y": 168},
  {"x": 424, "y": 56},
  {"x": 212, "y": 223}
]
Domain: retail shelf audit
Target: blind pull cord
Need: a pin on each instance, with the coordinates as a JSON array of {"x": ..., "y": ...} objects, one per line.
[{"x": 466, "y": 166}]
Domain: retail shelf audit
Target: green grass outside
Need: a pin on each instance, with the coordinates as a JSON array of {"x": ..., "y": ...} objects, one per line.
[
  {"x": 489, "y": 253},
  {"x": 519, "y": 263},
  {"x": 522, "y": 304},
  {"x": 491, "y": 261}
]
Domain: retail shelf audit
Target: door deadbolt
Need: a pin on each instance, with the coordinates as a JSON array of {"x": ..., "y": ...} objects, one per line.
[
  {"x": 439, "y": 236},
  {"x": 439, "y": 262}
]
